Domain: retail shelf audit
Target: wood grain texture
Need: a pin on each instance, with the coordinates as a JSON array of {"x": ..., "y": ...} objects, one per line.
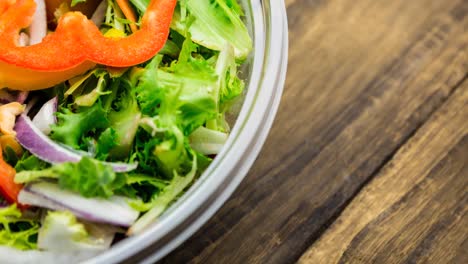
[
  {"x": 363, "y": 76},
  {"x": 416, "y": 209}
]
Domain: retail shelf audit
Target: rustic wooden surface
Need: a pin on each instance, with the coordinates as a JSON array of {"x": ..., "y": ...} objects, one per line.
[
  {"x": 367, "y": 159},
  {"x": 415, "y": 209}
]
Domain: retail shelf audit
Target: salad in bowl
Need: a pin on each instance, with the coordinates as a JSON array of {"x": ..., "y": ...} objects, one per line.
[{"x": 109, "y": 111}]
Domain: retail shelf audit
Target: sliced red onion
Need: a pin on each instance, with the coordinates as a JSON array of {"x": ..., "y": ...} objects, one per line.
[
  {"x": 115, "y": 210},
  {"x": 32, "y": 139},
  {"x": 100, "y": 14},
  {"x": 46, "y": 116},
  {"x": 38, "y": 28}
]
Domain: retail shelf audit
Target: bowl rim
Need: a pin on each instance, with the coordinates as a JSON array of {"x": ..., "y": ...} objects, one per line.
[{"x": 196, "y": 206}]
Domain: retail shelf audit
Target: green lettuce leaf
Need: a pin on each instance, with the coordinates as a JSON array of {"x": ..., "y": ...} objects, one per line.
[
  {"x": 88, "y": 177},
  {"x": 75, "y": 2},
  {"x": 106, "y": 141},
  {"x": 61, "y": 232},
  {"x": 71, "y": 127},
  {"x": 182, "y": 93},
  {"x": 141, "y": 186},
  {"x": 178, "y": 99},
  {"x": 90, "y": 98},
  {"x": 143, "y": 153},
  {"x": 149, "y": 95},
  {"x": 228, "y": 89},
  {"x": 162, "y": 200},
  {"x": 212, "y": 24},
  {"x": 124, "y": 118},
  {"x": 140, "y": 5},
  {"x": 29, "y": 162},
  {"x": 230, "y": 85},
  {"x": 15, "y": 231}
]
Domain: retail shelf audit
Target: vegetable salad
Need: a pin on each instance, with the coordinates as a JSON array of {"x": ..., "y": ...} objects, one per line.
[{"x": 107, "y": 139}]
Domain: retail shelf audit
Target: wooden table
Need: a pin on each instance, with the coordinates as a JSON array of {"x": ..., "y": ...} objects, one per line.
[{"x": 367, "y": 161}]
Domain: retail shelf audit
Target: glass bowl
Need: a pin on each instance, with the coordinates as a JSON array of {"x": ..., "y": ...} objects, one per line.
[{"x": 265, "y": 74}]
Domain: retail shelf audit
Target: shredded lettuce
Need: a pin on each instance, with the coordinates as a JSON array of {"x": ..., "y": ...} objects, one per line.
[
  {"x": 90, "y": 98},
  {"x": 124, "y": 119},
  {"x": 166, "y": 114},
  {"x": 61, "y": 232},
  {"x": 228, "y": 89},
  {"x": 29, "y": 162},
  {"x": 140, "y": 5},
  {"x": 71, "y": 127},
  {"x": 75, "y": 2},
  {"x": 87, "y": 177},
  {"x": 164, "y": 199},
  {"x": 105, "y": 143},
  {"x": 178, "y": 99},
  {"x": 207, "y": 141},
  {"x": 213, "y": 24},
  {"x": 15, "y": 231}
]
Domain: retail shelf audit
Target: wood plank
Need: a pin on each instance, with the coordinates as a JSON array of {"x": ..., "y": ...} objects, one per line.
[
  {"x": 363, "y": 76},
  {"x": 416, "y": 209}
]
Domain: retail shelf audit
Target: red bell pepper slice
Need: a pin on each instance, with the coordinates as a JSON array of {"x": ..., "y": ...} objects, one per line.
[
  {"x": 77, "y": 41},
  {"x": 8, "y": 188}
]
